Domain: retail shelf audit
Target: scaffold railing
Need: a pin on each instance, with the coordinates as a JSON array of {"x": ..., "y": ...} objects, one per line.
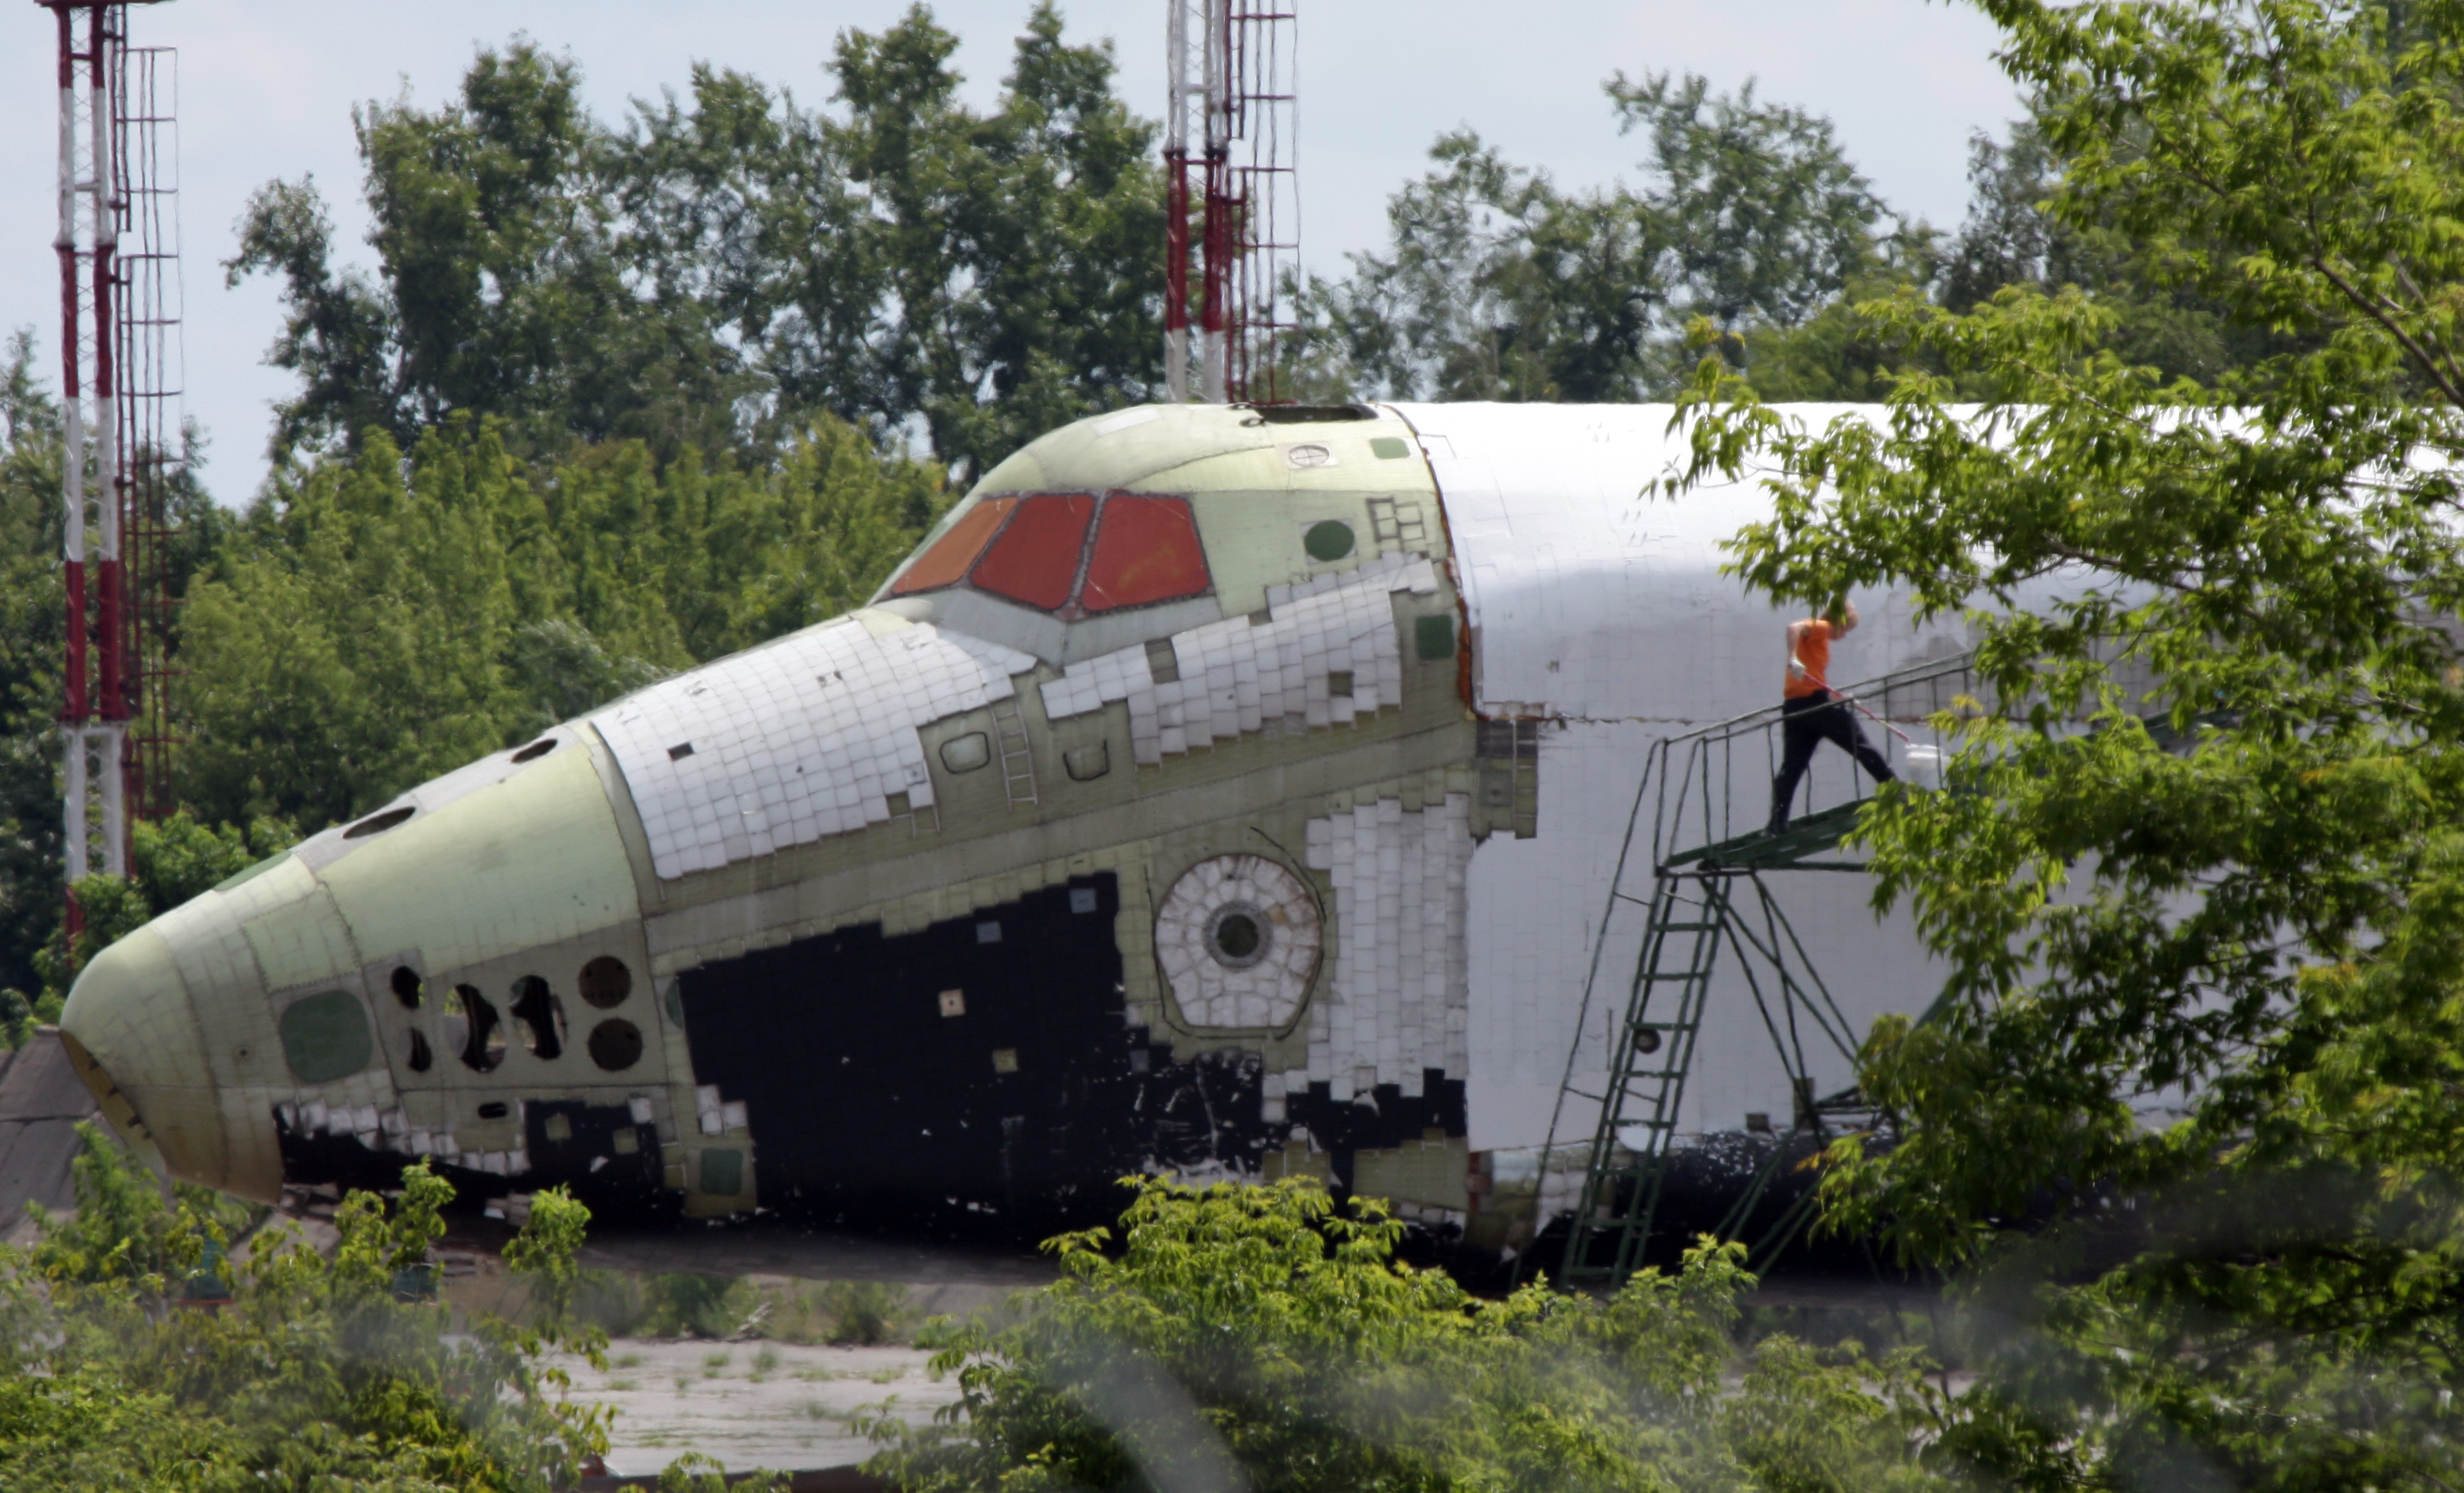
[{"x": 1709, "y": 790}]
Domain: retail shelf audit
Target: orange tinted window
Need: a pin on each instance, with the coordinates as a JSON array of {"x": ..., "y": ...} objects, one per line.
[
  {"x": 1035, "y": 561},
  {"x": 955, "y": 551},
  {"x": 1146, "y": 551}
]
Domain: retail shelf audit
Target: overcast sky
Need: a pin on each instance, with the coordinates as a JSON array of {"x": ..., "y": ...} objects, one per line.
[{"x": 267, "y": 88}]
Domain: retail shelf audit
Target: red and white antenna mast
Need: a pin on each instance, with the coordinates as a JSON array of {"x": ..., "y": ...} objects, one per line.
[
  {"x": 118, "y": 246},
  {"x": 1229, "y": 123}
]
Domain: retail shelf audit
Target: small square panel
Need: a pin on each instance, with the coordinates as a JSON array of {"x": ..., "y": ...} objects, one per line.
[
  {"x": 722, "y": 1173},
  {"x": 988, "y": 932},
  {"x": 1082, "y": 899},
  {"x": 1004, "y": 1060},
  {"x": 954, "y": 1002}
]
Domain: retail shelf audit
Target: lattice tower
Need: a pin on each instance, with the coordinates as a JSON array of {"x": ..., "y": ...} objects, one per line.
[
  {"x": 118, "y": 244},
  {"x": 1232, "y": 198}
]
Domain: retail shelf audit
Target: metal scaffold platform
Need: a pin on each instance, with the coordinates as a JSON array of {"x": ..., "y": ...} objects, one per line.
[{"x": 1689, "y": 891}]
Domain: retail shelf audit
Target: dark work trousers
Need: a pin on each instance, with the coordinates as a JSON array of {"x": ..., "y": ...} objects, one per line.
[{"x": 1805, "y": 722}]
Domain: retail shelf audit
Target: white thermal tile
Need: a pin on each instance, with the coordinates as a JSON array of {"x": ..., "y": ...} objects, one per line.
[
  {"x": 833, "y": 702},
  {"x": 1236, "y": 675},
  {"x": 1258, "y": 981},
  {"x": 1399, "y": 979}
]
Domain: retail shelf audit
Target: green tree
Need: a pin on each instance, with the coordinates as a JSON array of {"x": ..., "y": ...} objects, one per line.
[
  {"x": 30, "y": 633},
  {"x": 504, "y": 287},
  {"x": 376, "y": 621},
  {"x": 1498, "y": 284},
  {"x": 360, "y": 646},
  {"x": 1769, "y": 219},
  {"x": 2247, "y": 918},
  {"x": 717, "y": 275},
  {"x": 1020, "y": 252},
  {"x": 2013, "y": 237}
]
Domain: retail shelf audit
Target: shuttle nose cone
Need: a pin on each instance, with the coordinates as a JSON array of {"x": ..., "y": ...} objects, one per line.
[{"x": 133, "y": 1034}]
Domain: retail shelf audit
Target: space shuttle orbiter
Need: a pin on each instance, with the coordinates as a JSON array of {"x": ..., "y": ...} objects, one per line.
[{"x": 1217, "y": 789}]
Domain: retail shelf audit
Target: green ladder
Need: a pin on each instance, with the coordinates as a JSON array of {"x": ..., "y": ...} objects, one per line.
[{"x": 1653, "y": 1051}]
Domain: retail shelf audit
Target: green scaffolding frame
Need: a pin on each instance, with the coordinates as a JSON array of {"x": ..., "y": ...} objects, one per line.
[{"x": 1706, "y": 892}]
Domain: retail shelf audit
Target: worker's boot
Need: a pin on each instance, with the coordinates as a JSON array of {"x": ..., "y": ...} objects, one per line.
[{"x": 1778, "y": 824}]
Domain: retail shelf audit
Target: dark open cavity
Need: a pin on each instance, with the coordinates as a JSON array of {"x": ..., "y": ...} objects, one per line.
[
  {"x": 542, "y": 1018},
  {"x": 378, "y": 824}
]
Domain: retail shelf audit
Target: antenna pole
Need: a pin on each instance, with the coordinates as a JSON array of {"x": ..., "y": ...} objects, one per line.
[
  {"x": 1181, "y": 94},
  {"x": 115, "y": 326},
  {"x": 1233, "y": 63},
  {"x": 1213, "y": 368}
]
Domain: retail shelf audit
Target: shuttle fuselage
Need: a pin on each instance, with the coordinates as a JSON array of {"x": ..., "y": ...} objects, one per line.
[{"x": 1216, "y": 790}]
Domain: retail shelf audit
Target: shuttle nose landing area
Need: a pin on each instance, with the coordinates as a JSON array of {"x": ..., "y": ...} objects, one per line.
[{"x": 132, "y": 1035}]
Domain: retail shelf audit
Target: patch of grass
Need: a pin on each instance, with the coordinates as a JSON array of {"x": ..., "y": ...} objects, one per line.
[
  {"x": 628, "y": 1360},
  {"x": 714, "y": 1364},
  {"x": 815, "y": 1376},
  {"x": 683, "y": 1383},
  {"x": 766, "y": 1360},
  {"x": 815, "y": 1410},
  {"x": 883, "y": 1376},
  {"x": 622, "y": 1386}
]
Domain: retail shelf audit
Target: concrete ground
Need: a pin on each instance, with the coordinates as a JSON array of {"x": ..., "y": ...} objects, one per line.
[{"x": 750, "y": 1405}]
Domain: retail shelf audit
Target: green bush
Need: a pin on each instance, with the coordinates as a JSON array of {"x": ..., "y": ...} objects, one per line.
[
  {"x": 317, "y": 1375},
  {"x": 695, "y": 1306},
  {"x": 861, "y": 1312},
  {"x": 1264, "y": 1335}
]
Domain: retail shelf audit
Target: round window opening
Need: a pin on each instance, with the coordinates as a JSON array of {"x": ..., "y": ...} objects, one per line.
[{"x": 1239, "y": 938}]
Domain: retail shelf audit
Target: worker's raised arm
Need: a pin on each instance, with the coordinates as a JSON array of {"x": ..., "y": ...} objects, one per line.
[{"x": 1796, "y": 635}]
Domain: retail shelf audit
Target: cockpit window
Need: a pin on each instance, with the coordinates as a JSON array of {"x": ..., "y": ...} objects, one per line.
[
  {"x": 1146, "y": 551},
  {"x": 1035, "y": 559},
  {"x": 1070, "y": 553},
  {"x": 948, "y": 559}
]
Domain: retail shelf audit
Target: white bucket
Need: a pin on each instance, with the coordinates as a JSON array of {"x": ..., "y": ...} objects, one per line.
[{"x": 1923, "y": 767}]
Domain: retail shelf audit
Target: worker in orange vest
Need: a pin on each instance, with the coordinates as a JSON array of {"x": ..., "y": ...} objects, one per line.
[{"x": 1810, "y": 713}]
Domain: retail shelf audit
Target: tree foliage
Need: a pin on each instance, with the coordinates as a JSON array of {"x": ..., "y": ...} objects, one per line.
[
  {"x": 32, "y": 627},
  {"x": 719, "y": 273},
  {"x": 32, "y": 630},
  {"x": 1266, "y": 1337},
  {"x": 2207, "y": 985},
  {"x": 1502, "y": 285},
  {"x": 322, "y": 1373},
  {"x": 377, "y": 619}
]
